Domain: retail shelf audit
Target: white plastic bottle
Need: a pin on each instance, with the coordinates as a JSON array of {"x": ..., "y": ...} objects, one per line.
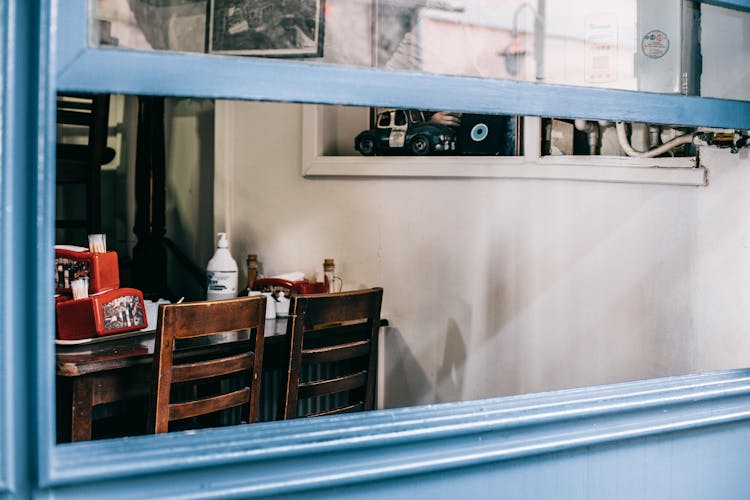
[{"x": 221, "y": 272}]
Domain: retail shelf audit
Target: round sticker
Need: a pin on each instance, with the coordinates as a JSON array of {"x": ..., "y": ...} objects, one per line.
[
  {"x": 479, "y": 132},
  {"x": 655, "y": 44}
]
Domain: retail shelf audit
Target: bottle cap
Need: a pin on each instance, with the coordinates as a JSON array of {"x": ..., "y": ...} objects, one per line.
[
  {"x": 223, "y": 243},
  {"x": 328, "y": 262}
]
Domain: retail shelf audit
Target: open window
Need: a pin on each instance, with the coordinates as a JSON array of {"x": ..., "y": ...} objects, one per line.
[{"x": 156, "y": 463}]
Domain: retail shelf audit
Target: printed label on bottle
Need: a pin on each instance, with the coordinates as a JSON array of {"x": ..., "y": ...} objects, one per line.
[{"x": 222, "y": 281}]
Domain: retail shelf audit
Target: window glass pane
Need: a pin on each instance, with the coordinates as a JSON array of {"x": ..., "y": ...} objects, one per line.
[
  {"x": 671, "y": 46},
  {"x": 400, "y": 118},
  {"x": 257, "y": 137},
  {"x": 384, "y": 120}
]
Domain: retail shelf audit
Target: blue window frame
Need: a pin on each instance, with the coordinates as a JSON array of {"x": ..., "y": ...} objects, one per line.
[
  {"x": 7, "y": 313},
  {"x": 382, "y": 450},
  {"x": 164, "y": 73}
]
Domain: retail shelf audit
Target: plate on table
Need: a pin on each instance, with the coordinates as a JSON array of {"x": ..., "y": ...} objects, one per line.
[{"x": 104, "y": 338}]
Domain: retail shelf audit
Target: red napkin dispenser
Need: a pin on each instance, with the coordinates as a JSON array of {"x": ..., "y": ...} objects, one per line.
[
  {"x": 106, "y": 313},
  {"x": 297, "y": 287},
  {"x": 101, "y": 269}
]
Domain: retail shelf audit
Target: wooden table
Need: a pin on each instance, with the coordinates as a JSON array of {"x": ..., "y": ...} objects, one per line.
[{"x": 91, "y": 373}]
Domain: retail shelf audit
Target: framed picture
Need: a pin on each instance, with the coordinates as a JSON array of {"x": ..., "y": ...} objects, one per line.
[{"x": 266, "y": 28}]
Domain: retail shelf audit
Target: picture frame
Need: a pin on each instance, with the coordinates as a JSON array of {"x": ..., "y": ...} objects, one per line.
[{"x": 266, "y": 28}]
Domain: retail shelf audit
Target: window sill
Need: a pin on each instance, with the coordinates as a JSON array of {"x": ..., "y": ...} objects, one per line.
[
  {"x": 297, "y": 455},
  {"x": 674, "y": 171},
  {"x": 574, "y": 169}
]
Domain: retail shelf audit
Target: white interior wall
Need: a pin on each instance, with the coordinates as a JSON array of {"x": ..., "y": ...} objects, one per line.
[{"x": 496, "y": 287}]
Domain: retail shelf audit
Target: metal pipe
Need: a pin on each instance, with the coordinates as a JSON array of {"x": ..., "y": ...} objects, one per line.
[
  {"x": 622, "y": 137},
  {"x": 539, "y": 34},
  {"x": 653, "y": 136},
  {"x": 592, "y": 134}
]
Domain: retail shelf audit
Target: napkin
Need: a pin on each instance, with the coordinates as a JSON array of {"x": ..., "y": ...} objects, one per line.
[{"x": 293, "y": 276}]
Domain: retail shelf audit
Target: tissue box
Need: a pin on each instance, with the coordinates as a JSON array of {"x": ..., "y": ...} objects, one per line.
[
  {"x": 77, "y": 262},
  {"x": 106, "y": 313}
]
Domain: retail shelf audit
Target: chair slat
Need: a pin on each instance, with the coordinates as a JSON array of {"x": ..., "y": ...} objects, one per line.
[
  {"x": 78, "y": 104},
  {"x": 201, "y": 318},
  {"x": 336, "y": 352},
  {"x": 211, "y": 368},
  {"x": 338, "y": 308},
  {"x": 74, "y": 118},
  {"x": 79, "y": 156},
  {"x": 332, "y": 386},
  {"x": 358, "y": 406},
  {"x": 178, "y": 411}
]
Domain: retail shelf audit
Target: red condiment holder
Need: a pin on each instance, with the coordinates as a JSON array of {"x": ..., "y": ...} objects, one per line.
[
  {"x": 106, "y": 313},
  {"x": 101, "y": 269},
  {"x": 298, "y": 287}
]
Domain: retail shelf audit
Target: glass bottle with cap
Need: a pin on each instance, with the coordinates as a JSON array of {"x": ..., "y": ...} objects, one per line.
[
  {"x": 329, "y": 276},
  {"x": 252, "y": 270}
]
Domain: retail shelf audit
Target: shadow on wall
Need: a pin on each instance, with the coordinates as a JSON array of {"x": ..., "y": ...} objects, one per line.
[
  {"x": 451, "y": 375},
  {"x": 402, "y": 368},
  {"x": 190, "y": 193}
]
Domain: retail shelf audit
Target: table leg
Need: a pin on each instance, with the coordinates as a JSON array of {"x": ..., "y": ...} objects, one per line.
[
  {"x": 81, "y": 409},
  {"x": 64, "y": 396}
]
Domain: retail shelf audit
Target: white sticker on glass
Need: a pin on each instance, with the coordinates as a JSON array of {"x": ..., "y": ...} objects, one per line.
[{"x": 655, "y": 44}]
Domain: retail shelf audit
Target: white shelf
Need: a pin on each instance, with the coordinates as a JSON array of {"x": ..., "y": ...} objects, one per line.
[{"x": 676, "y": 171}]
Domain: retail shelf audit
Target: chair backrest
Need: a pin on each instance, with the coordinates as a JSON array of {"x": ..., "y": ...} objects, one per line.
[
  {"x": 333, "y": 346},
  {"x": 200, "y": 364},
  {"x": 84, "y": 118},
  {"x": 89, "y": 113}
]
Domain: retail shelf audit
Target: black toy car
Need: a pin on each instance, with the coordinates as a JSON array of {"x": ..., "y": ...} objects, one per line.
[{"x": 403, "y": 131}]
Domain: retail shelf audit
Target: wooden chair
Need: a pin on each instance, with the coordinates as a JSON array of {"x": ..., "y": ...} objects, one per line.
[
  {"x": 332, "y": 353},
  {"x": 197, "y": 370},
  {"x": 80, "y": 163}
]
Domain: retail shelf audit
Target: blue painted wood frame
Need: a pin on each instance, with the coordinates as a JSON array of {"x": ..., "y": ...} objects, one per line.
[
  {"x": 595, "y": 442},
  {"x": 7, "y": 278},
  {"x": 167, "y": 73},
  {"x": 743, "y": 5},
  {"x": 27, "y": 196},
  {"x": 407, "y": 449}
]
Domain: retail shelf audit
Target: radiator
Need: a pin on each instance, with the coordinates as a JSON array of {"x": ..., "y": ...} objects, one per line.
[
  {"x": 271, "y": 390},
  {"x": 272, "y": 393}
]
